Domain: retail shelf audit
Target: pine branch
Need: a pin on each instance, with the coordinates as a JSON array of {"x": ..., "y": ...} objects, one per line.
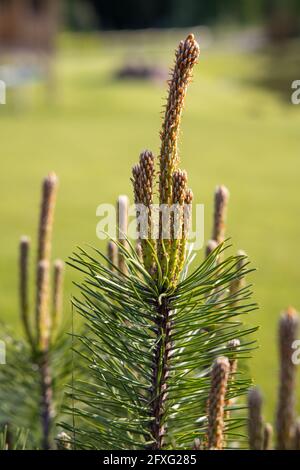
[
  {"x": 37, "y": 367},
  {"x": 148, "y": 351}
]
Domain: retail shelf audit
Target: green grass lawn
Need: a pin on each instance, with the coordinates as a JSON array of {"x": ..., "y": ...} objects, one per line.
[{"x": 91, "y": 132}]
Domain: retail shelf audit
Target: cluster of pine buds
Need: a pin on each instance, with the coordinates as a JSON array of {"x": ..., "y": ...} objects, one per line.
[{"x": 174, "y": 194}]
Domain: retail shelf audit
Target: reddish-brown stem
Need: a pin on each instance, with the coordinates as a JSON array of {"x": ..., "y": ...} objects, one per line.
[
  {"x": 46, "y": 400},
  {"x": 160, "y": 376}
]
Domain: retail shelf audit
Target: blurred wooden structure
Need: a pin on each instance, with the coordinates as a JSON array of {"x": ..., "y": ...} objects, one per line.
[{"x": 28, "y": 25}]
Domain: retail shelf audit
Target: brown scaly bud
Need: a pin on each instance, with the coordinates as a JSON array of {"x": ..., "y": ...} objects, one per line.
[
  {"x": 297, "y": 435},
  {"x": 49, "y": 190},
  {"x": 112, "y": 254},
  {"x": 57, "y": 295},
  {"x": 255, "y": 421},
  {"x": 232, "y": 345},
  {"x": 63, "y": 441},
  {"x": 268, "y": 436},
  {"x": 42, "y": 310},
  {"x": 187, "y": 219},
  {"x": 189, "y": 196},
  {"x": 24, "y": 248},
  {"x": 210, "y": 247},
  {"x": 136, "y": 182},
  {"x": 186, "y": 57},
  {"x": 216, "y": 403},
  {"x": 187, "y": 216},
  {"x": 179, "y": 182},
  {"x": 143, "y": 179},
  {"x": 137, "y": 190},
  {"x": 147, "y": 172},
  {"x": 221, "y": 203},
  {"x": 122, "y": 214},
  {"x": 288, "y": 328}
]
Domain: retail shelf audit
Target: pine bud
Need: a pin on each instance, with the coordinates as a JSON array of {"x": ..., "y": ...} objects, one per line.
[
  {"x": 255, "y": 421},
  {"x": 288, "y": 328},
  {"x": 186, "y": 57},
  {"x": 42, "y": 308},
  {"x": 143, "y": 180},
  {"x": 238, "y": 284},
  {"x": 57, "y": 294},
  {"x": 49, "y": 190},
  {"x": 221, "y": 203},
  {"x": 216, "y": 403},
  {"x": 24, "y": 248}
]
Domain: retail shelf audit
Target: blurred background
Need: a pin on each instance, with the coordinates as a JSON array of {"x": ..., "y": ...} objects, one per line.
[{"x": 85, "y": 89}]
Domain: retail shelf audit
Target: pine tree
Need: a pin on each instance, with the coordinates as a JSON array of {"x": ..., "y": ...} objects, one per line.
[{"x": 153, "y": 332}]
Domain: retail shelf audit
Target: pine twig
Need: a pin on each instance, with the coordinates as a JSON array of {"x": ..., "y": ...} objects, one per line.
[
  {"x": 255, "y": 421},
  {"x": 43, "y": 317}
]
